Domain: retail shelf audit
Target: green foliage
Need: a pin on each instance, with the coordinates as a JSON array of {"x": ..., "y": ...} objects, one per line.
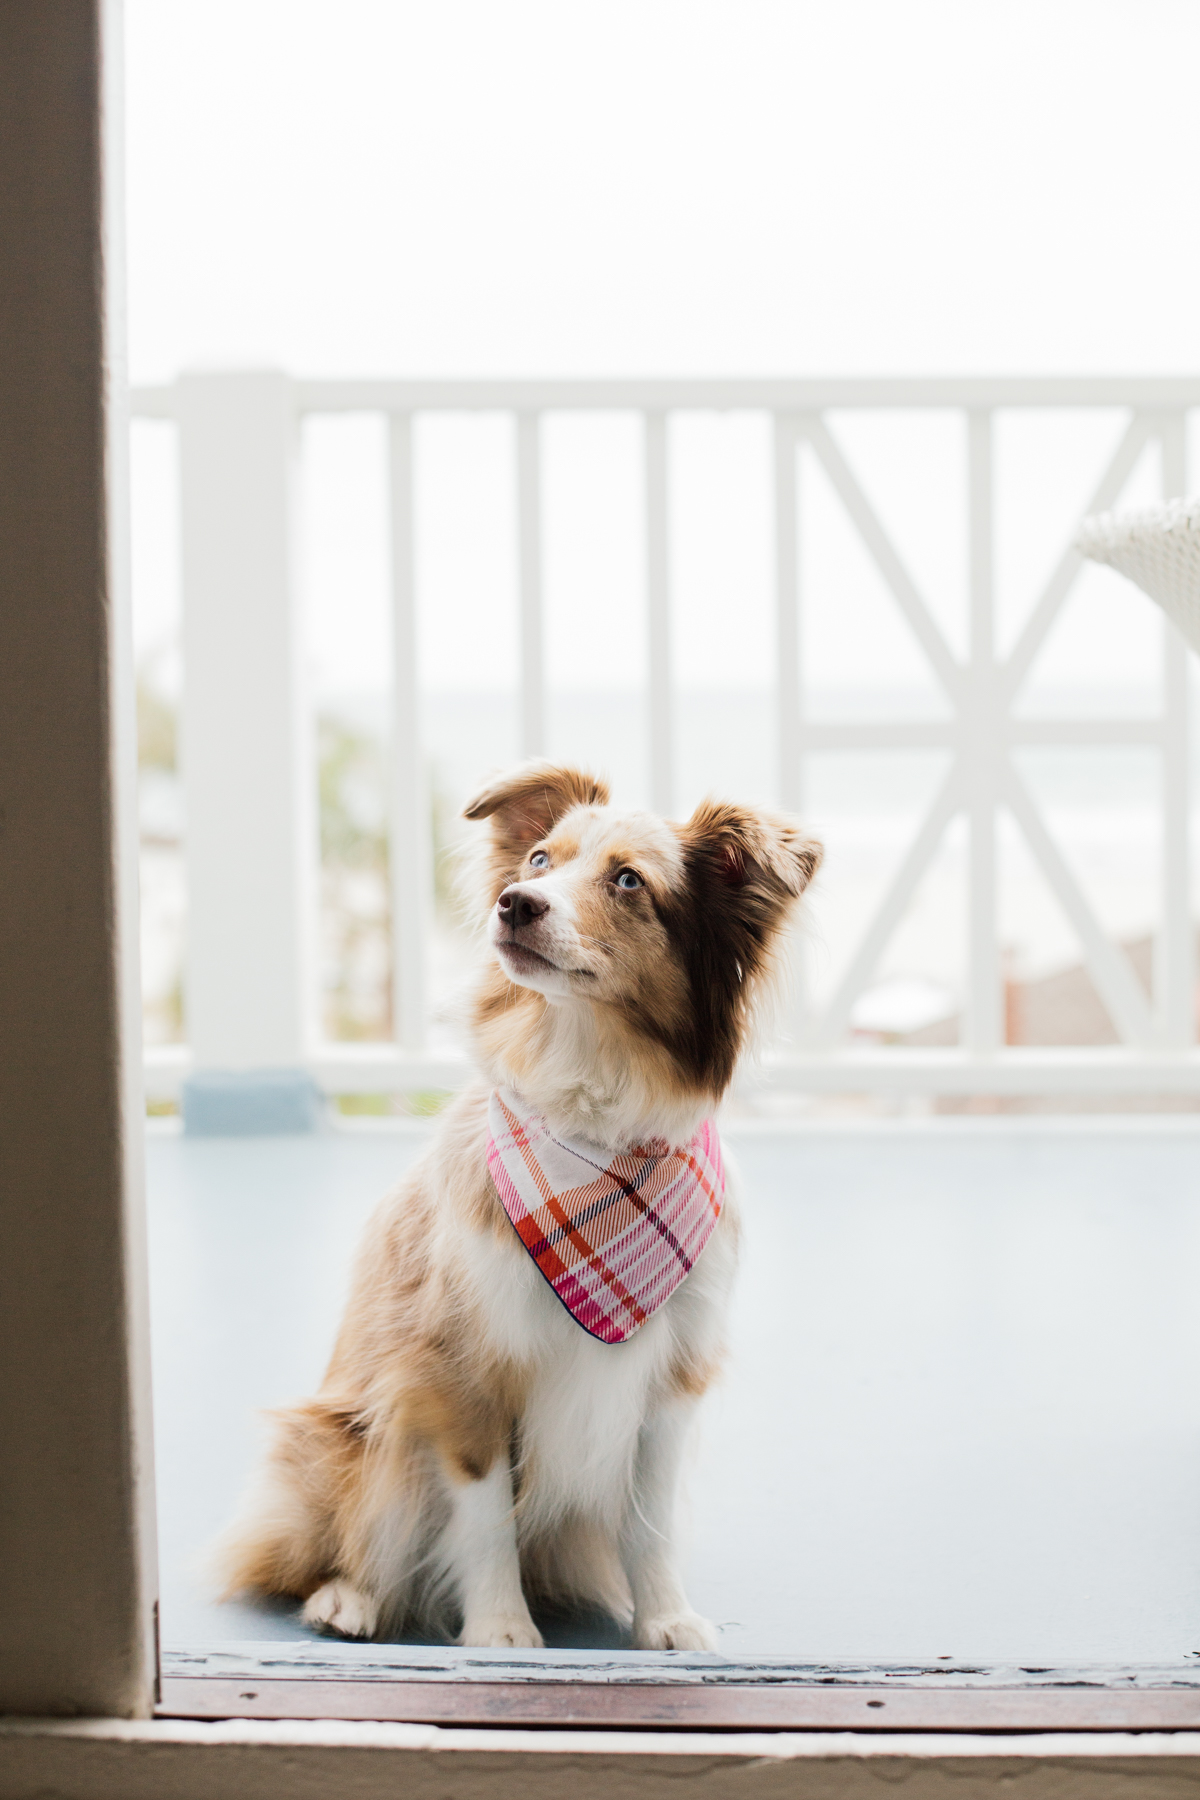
[
  {"x": 443, "y": 817},
  {"x": 356, "y": 904},
  {"x": 351, "y": 790},
  {"x": 425, "y": 1104},
  {"x": 157, "y": 722},
  {"x": 364, "y": 1106}
]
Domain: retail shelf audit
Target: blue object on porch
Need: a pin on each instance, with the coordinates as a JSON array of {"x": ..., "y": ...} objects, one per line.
[{"x": 251, "y": 1103}]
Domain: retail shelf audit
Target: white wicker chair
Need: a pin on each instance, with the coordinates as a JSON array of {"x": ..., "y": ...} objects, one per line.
[{"x": 1159, "y": 549}]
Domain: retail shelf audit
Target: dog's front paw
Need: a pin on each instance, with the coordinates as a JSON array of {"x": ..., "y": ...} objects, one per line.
[
  {"x": 501, "y": 1631},
  {"x": 685, "y": 1631},
  {"x": 340, "y": 1607}
]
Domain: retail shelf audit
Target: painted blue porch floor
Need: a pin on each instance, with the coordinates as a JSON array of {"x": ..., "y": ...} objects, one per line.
[{"x": 962, "y": 1417}]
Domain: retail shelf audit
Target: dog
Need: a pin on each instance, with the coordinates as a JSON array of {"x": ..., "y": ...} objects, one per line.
[{"x": 481, "y": 1437}]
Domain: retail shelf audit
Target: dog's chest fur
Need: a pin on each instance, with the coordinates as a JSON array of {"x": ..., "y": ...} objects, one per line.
[{"x": 586, "y": 1401}]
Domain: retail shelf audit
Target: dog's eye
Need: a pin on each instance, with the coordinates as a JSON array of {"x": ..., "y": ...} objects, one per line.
[
  {"x": 629, "y": 880},
  {"x": 539, "y": 860}
]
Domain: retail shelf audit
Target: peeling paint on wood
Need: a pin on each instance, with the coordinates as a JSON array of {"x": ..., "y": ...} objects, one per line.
[
  {"x": 639, "y": 1690},
  {"x": 332, "y": 1660}
]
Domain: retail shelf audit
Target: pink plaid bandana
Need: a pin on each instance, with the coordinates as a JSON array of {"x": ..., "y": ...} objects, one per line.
[{"x": 613, "y": 1238}]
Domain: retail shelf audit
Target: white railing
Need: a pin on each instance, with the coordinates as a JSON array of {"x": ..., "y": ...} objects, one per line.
[{"x": 247, "y": 772}]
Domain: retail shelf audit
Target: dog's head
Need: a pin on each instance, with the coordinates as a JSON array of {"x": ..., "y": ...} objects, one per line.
[{"x": 669, "y": 928}]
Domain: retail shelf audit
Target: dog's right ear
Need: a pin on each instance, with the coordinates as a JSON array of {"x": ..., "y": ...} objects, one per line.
[{"x": 528, "y": 802}]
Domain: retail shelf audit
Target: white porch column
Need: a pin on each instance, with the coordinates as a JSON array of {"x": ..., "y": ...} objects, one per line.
[{"x": 246, "y": 767}]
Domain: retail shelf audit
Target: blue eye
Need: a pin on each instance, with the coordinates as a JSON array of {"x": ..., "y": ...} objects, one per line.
[
  {"x": 628, "y": 880},
  {"x": 539, "y": 860}
]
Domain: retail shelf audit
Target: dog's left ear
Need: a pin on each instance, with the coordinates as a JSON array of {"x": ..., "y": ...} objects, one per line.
[
  {"x": 742, "y": 851},
  {"x": 746, "y": 869}
]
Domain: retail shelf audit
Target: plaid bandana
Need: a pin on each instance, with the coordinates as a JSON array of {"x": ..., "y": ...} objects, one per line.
[{"x": 613, "y": 1238}]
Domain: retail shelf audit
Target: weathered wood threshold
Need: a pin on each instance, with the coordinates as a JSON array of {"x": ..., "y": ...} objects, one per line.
[
  {"x": 423, "y": 1685},
  {"x": 728, "y": 1708}
]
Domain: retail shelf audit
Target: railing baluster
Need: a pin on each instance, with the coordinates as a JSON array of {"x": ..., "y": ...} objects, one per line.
[
  {"x": 658, "y": 603},
  {"x": 825, "y": 1031},
  {"x": 1175, "y": 948},
  {"x": 1037, "y": 626},
  {"x": 788, "y": 698},
  {"x": 788, "y": 690},
  {"x": 882, "y": 551},
  {"x": 980, "y": 734},
  {"x": 1111, "y": 971},
  {"x": 249, "y": 790},
  {"x": 529, "y": 513},
  {"x": 409, "y": 841}
]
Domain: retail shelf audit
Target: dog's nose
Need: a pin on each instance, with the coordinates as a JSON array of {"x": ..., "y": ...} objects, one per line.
[{"x": 517, "y": 906}]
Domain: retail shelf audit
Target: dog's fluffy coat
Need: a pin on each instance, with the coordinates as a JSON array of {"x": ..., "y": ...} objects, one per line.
[{"x": 471, "y": 1446}]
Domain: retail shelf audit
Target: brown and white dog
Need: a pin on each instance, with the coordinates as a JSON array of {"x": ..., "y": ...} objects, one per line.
[{"x": 471, "y": 1444}]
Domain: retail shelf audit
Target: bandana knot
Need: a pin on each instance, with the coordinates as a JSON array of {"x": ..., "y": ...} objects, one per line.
[{"x": 613, "y": 1235}]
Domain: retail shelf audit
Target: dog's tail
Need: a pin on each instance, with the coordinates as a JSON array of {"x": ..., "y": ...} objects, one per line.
[{"x": 283, "y": 1539}]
